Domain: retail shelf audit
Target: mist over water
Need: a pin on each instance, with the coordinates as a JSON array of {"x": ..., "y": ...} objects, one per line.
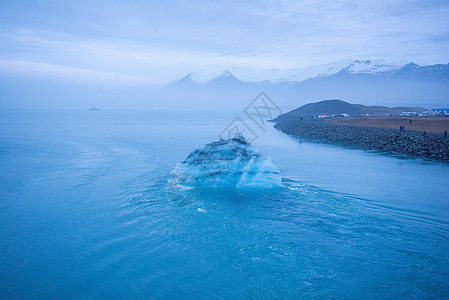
[{"x": 85, "y": 213}]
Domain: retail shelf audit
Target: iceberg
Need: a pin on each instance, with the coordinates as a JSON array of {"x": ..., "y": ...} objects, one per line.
[{"x": 230, "y": 163}]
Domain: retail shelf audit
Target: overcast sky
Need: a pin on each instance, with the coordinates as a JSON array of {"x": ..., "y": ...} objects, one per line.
[{"x": 153, "y": 42}]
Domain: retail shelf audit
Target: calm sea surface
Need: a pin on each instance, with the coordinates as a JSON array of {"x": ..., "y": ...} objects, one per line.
[{"x": 85, "y": 213}]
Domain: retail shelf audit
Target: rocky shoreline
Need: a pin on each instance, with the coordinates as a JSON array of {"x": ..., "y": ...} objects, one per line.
[{"x": 372, "y": 138}]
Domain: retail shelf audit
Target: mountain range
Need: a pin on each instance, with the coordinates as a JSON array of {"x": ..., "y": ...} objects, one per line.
[
  {"x": 367, "y": 82},
  {"x": 294, "y": 75}
]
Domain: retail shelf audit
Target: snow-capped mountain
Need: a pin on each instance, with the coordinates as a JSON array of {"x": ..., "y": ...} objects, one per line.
[
  {"x": 366, "y": 82},
  {"x": 293, "y": 75},
  {"x": 225, "y": 79},
  {"x": 376, "y": 67}
]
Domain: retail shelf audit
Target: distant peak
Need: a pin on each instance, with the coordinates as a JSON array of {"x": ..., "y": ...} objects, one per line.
[
  {"x": 186, "y": 77},
  {"x": 226, "y": 73},
  {"x": 224, "y": 78},
  {"x": 186, "y": 80},
  {"x": 362, "y": 61}
]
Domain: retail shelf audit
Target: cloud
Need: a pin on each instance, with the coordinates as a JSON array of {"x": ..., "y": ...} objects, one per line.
[
  {"x": 157, "y": 41},
  {"x": 58, "y": 72}
]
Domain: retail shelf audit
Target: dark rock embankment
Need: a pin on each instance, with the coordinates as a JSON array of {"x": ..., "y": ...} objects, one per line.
[{"x": 384, "y": 139}]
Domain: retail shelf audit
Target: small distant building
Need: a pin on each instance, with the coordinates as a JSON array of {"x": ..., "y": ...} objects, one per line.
[
  {"x": 342, "y": 115},
  {"x": 440, "y": 111},
  {"x": 409, "y": 114},
  {"x": 323, "y": 115}
]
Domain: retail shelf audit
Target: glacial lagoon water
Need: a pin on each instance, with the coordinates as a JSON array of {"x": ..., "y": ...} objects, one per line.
[{"x": 85, "y": 213}]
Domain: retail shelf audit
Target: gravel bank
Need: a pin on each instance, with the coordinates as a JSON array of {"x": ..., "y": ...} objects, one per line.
[{"x": 389, "y": 140}]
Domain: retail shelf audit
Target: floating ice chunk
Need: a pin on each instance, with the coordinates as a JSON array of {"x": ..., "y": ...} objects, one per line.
[{"x": 228, "y": 163}]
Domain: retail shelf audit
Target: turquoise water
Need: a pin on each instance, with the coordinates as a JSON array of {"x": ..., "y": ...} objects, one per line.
[{"x": 84, "y": 213}]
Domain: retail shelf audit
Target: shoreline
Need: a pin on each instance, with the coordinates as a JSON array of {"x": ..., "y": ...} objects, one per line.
[
  {"x": 412, "y": 143},
  {"x": 418, "y": 124}
]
